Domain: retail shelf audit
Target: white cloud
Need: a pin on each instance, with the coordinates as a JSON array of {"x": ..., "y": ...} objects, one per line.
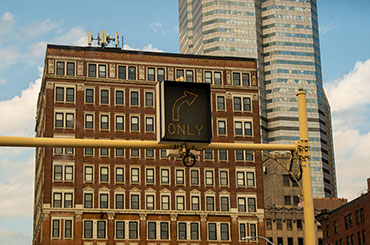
[
  {"x": 157, "y": 27},
  {"x": 38, "y": 29},
  {"x": 9, "y": 55},
  {"x": 326, "y": 28},
  {"x": 14, "y": 238},
  {"x": 352, "y": 89},
  {"x": 350, "y": 106},
  {"x": 18, "y": 113},
  {"x": 150, "y": 47},
  {"x": 36, "y": 51},
  {"x": 6, "y": 24},
  {"x": 75, "y": 36}
]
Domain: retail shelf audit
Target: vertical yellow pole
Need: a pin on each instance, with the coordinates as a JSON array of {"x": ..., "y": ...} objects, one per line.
[{"x": 309, "y": 222}]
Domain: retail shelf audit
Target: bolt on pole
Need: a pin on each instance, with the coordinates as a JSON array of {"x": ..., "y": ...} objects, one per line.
[{"x": 309, "y": 222}]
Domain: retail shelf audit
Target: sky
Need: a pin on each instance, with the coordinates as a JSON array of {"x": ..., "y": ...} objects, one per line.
[{"x": 27, "y": 26}]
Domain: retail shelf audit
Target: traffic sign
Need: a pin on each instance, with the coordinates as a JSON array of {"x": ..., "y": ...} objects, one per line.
[{"x": 184, "y": 112}]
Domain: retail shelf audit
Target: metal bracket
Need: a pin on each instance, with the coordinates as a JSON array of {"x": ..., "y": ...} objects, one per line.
[{"x": 303, "y": 150}]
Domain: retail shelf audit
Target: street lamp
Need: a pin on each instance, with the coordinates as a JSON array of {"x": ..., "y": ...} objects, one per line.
[{"x": 254, "y": 238}]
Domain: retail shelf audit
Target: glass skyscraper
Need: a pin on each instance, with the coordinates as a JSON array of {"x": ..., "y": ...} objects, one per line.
[{"x": 283, "y": 36}]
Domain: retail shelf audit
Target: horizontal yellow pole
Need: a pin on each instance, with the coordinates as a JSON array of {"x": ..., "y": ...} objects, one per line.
[{"x": 101, "y": 143}]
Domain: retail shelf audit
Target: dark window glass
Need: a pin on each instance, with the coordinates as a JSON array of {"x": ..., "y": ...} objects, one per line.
[
  {"x": 149, "y": 99},
  {"x": 119, "y": 97},
  {"x": 246, "y": 104},
  {"x": 134, "y": 201},
  {"x": 151, "y": 74},
  {"x": 212, "y": 232},
  {"x": 70, "y": 69},
  {"x": 58, "y": 172},
  {"x": 88, "y": 229},
  {"x": 222, "y": 155},
  {"x": 149, "y": 124},
  {"x": 237, "y": 104},
  {"x": 268, "y": 224},
  {"x": 88, "y": 200},
  {"x": 179, "y": 73},
  {"x": 68, "y": 200},
  {"x": 101, "y": 229},
  {"x": 152, "y": 233},
  {"x": 56, "y": 228},
  {"x": 164, "y": 230},
  {"x": 103, "y": 200},
  {"x": 119, "y": 201},
  {"x": 60, "y": 68},
  {"x": 89, "y": 121},
  {"x": 70, "y": 120},
  {"x": 194, "y": 231},
  {"x": 120, "y": 229},
  {"x": 131, "y": 72},
  {"x": 120, "y": 123},
  {"x": 221, "y": 103},
  {"x": 89, "y": 96},
  {"x": 251, "y": 204},
  {"x": 242, "y": 231},
  {"x": 92, "y": 70},
  {"x": 189, "y": 76},
  {"x": 59, "y": 94},
  {"x": 224, "y": 178},
  {"x": 182, "y": 230},
  {"x": 68, "y": 228},
  {"x": 287, "y": 200},
  {"x": 134, "y": 123},
  {"x": 218, "y": 79},
  {"x": 224, "y": 204},
  {"x": 119, "y": 174},
  {"x": 195, "y": 203},
  {"x": 245, "y": 79},
  {"x": 160, "y": 74},
  {"x": 57, "y": 200},
  {"x": 286, "y": 181},
  {"x": 210, "y": 203},
  {"x": 279, "y": 224},
  {"x": 104, "y": 122},
  {"x": 225, "y": 231},
  {"x": 104, "y": 96},
  {"x": 221, "y": 127},
  {"x": 133, "y": 230},
  {"x": 208, "y": 77},
  {"x": 236, "y": 78},
  {"x": 122, "y": 72},
  {"x": 208, "y": 154},
  {"x": 104, "y": 174},
  {"x": 289, "y": 224},
  {"x": 134, "y": 98},
  {"x": 102, "y": 71},
  {"x": 194, "y": 176}
]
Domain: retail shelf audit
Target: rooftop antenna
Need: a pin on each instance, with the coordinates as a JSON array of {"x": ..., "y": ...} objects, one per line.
[{"x": 102, "y": 39}]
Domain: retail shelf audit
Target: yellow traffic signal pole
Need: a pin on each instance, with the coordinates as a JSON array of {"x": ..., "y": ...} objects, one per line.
[{"x": 300, "y": 149}]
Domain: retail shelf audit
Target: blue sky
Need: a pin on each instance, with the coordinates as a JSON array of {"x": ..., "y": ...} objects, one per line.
[{"x": 26, "y": 27}]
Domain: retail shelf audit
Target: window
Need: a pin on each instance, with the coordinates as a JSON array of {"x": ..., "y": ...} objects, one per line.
[
  {"x": 149, "y": 99},
  {"x": 160, "y": 74},
  {"x": 101, "y": 226},
  {"x": 250, "y": 179},
  {"x": 102, "y": 71},
  {"x": 335, "y": 227},
  {"x": 165, "y": 176},
  {"x": 242, "y": 204},
  {"x": 268, "y": 224},
  {"x": 209, "y": 177},
  {"x": 149, "y": 176},
  {"x": 134, "y": 153},
  {"x": 120, "y": 175},
  {"x": 104, "y": 152},
  {"x": 67, "y": 228},
  {"x": 104, "y": 174},
  {"x": 120, "y": 229},
  {"x": 299, "y": 224},
  {"x": 237, "y": 104},
  {"x": 120, "y": 201},
  {"x": 220, "y": 103},
  {"x": 120, "y": 122},
  {"x": 92, "y": 70},
  {"x": 240, "y": 178},
  {"x": 252, "y": 205},
  {"x": 208, "y": 77},
  {"x": 236, "y": 78},
  {"x": 134, "y": 201},
  {"x": 104, "y": 122},
  {"x": 56, "y": 229},
  {"x": 60, "y": 68},
  {"x": 194, "y": 177},
  {"x": 210, "y": 203},
  {"x": 212, "y": 232},
  {"x": 134, "y": 123},
  {"x": 103, "y": 200},
  {"x": 163, "y": 153},
  {"x": 180, "y": 203},
  {"x": 195, "y": 203},
  {"x": 122, "y": 72},
  {"x": 134, "y": 98},
  {"x": 224, "y": 178},
  {"x": 180, "y": 177},
  {"x": 151, "y": 74},
  {"x": 218, "y": 78},
  {"x": 135, "y": 175},
  {"x": 224, "y": 203},
  {"x": 164, "y": 230},
  {"x": 88, "y": 200},
  {"x": 286, "y": 181},
  {"x": 70, "y": 69},
  {"x": 70, "y": 94},
  {"x": 194, "y": 231},
  {"x": 224, "y": 231},
  {"x": 179, "y": 73},
  {"x": 350, "y": 220},
  {"x": 208, "y": 154},
  {"x": 61, "y": 116},
  {"x": 221, "y": 127},
  {"x": 149, "y": 202},
  {"x": 119, "y": 97},
  {"x": 253, "y": 230},
  {"x": 346, "y": 223},
  {"x": 242, "y": 128},
  {"x": 89, "y": 121},
  {"x": 182, "y": 231},
  {"x": 104, "y": 96},
  {"x": 189, "y": 76},
  {"x": 88, "y": 229},
  {"x": 152, "y": 233},
  {"x": 89, "y": 95},
  {"x": 89, "y": 151},
  {"x": 133, "y": 230},
  {"x": 57, "y": 200},
  {"x": 222, "y": 155},
  {"x": 289, "y": 224},
  {"x": 165, "y": 202},
  {"x": 295, "y": 200},
  {"x": 149, "y": 124},
  {"x": 68, "y": 200},
  {"x": 362, "y": 216},
  {"x": 88, "y": 176},
  {"x": 120, "y": 152},
  {"x": 279, "y": 224},
  {"x": 245, "y": 79},
  {"x": 242, "y": 231},
  {"x": 58, "y": 172},
  {"x": 246, "y": 104},
  {"x": 132, "y": 73}
]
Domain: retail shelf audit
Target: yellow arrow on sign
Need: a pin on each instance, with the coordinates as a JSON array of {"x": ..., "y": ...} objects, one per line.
[{"x": 188, "y": 98}]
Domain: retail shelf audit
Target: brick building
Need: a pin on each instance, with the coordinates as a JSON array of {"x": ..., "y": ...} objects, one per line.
[
  {"x": 139, "y": 196},
  {"x": 348, "y": 224}
]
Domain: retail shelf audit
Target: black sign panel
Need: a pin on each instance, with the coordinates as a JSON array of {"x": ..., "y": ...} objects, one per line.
[{"x": 185, "y": 112}]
